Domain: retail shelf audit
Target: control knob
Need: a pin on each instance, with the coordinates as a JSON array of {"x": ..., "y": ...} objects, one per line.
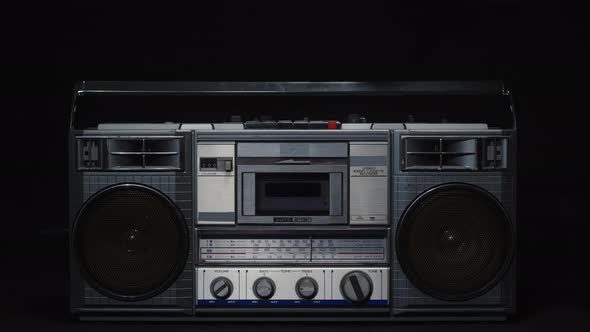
[
  {"x": 221, "y": 288},
  {"x": 356, "y": 287},
  {"x": 306, "y": 288},
  {"x": 263, "y": 288}
]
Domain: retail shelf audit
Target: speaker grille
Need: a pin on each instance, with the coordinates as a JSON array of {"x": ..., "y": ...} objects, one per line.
[
  {"x": 131, "y": 241},
  {"x": 454, "y": 242}
]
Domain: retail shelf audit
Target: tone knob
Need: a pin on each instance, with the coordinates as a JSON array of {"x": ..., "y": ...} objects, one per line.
[
  {"x": 356, "y": 287},
  {"x": 306, "y": 288},
  {"x": 263, "y": 288},
  {"x": 221, "y": 288}
]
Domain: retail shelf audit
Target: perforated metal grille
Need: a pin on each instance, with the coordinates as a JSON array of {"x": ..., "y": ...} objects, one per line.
[
  {"x": 454, "y": 242},
  {"x": 132, "y": 242}
]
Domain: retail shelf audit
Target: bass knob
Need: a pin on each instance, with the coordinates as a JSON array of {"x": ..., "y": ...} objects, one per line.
[{"x": 263, "y": 288}]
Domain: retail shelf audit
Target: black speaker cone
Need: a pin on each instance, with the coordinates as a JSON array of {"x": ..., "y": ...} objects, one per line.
[
  {"x": 131, "y": 242},
  {"x": 455, "y": 241}
]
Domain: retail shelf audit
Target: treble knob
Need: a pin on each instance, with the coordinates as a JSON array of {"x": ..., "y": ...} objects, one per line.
[{"x": 306, "y": 288}]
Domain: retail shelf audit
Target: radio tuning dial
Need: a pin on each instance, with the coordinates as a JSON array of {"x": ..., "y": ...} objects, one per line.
[
  {"x": 356, "y": 287},
  {"x": 263, "y": 288},
  {"x": 306, "y": 288},
  {"x": 221, "y": 288}
]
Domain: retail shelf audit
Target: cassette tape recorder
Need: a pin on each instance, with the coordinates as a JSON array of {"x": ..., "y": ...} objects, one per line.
[{"x": 205, "y": 218}]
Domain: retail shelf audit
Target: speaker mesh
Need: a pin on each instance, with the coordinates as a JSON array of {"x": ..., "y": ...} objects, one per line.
[
  {"x": 454, "y": 242},
  {"x": 131, "y": 242}
]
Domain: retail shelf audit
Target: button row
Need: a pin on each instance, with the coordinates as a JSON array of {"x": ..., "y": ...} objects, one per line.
[{"x": 288, "y": 124}]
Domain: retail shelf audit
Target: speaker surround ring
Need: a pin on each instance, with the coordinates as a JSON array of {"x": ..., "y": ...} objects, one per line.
[
  {"x": 162, "y": 224},
  {"x": 452, "y": 242}
]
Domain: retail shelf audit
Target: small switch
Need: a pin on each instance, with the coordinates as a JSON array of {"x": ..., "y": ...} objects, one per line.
[
  {"x": 252, "y": 124},
  {"x": 94, "y": 151},
  {"x": 285, "y": 124},
  {"x": 228, "y": 166},
  {"x": 318, "y": 124}
]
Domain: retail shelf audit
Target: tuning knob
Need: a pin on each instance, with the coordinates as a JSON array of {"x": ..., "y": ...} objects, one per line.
[
  {"x": 356, "y": 287},
  {"x": 263, "y": 288},
  {"x": 221, "y": 288},
  {"x": 306, "y": 288}
]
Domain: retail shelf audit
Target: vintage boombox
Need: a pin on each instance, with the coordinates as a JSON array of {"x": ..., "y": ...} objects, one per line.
[{"x": 201, "y": 219}]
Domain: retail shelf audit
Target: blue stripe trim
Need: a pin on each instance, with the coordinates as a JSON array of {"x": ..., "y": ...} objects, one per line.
[{"x": 284, "y": 302}]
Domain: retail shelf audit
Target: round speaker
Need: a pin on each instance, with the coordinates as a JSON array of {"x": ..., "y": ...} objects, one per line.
[
  {"x": 455, "y": 242},
  {"x": 131, "y": 242}
]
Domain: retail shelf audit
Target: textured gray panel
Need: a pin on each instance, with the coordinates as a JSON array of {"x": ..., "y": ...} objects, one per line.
[
  {"x": 323, "y": 150},
  {"x": 178, "y": 188},
  {"x": 405, "y": 189}
]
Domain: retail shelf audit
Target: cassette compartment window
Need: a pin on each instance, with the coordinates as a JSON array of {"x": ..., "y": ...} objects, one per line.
[{"x": 293, "y": 194}]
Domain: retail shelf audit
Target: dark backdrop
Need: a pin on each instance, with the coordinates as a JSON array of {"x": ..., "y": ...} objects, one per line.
[{"x": 537, "y": 48}]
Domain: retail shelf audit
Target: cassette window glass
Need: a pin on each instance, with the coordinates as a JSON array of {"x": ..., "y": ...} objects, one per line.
[{"x": 292, "y": 194}]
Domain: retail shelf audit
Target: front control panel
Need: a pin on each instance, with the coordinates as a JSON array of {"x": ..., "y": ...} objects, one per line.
[{"x": 297, "y": 286}]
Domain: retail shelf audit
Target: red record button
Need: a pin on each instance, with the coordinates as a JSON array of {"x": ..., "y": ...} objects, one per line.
[{"x": 332, "y": 124}]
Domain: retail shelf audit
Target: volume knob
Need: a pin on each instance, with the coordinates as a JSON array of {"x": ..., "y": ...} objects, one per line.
[
  {"x": 263, "y": 288},
  {"x": 221, "y": 288},
  {"x": 356, "y": 287}
]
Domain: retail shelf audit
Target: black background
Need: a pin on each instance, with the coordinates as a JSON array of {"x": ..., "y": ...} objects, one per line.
[{"x": 537, "y": 48}]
